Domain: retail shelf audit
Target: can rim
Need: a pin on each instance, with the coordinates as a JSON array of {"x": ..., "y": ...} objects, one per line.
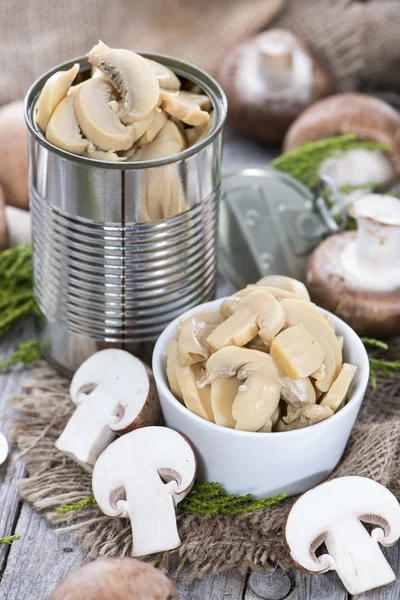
[{"x": 180, "y": 67}]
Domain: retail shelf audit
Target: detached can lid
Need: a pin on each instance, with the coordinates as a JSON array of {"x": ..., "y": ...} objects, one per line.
[{"x": 270, "y": 222}]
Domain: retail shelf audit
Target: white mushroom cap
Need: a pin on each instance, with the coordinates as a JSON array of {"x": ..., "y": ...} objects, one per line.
[
  {"x": 3, "y": 448},
  {"x": 318, "y": 511}
]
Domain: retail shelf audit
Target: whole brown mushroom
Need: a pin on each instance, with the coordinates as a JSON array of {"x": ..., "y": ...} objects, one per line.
[
  {"x": 14, "y": 155},
  {"x": 269, "y": 79},
  {"x": 356, "y": 275},
  {"x": 4, "y": 237},
  {"x": 366, "y": 117},
  {"x": 115, "y": 579}
]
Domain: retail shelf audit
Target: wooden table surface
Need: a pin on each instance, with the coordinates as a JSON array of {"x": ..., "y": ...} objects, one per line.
[{"x": 31, "y": 568}]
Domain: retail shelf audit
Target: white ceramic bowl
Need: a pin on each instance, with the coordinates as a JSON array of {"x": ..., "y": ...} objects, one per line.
[{"x": 264, "y": 464}]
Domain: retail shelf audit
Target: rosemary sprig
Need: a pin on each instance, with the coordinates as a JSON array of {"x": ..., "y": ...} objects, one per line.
[
  {"x": 10, "y": 539},
  {"x": 379, "y": 365},
  {"x": 204, "y": 499},
  {"x": 25, "y": 353}
]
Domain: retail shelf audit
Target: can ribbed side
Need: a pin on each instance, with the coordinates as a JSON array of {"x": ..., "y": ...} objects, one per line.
[{"x": 122, "y": 283}]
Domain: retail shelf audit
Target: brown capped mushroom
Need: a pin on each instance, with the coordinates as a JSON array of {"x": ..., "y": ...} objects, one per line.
[
  {"x": 269, "y": 79},
  {"x": 14, "y": 155},
  {"x": 115, "y": 579},
  {"x": 366, "y": 117},
  {"x": 356, "y": 275}
]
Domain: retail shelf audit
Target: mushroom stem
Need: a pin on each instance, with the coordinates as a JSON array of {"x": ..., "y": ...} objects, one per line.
[
  {"x": 151, "y": 510},
  {"x": 359, "y": 561},
  {"x": 370, "y": 261}
]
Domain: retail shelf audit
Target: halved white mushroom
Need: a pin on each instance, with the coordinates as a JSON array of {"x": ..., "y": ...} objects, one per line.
[
  {"x": 54, "y": 90},
  {"x": 193, "y": 333},
  {"x": 96, "y": 119},
  {"x": 138, "y": 464},
  {"x": 305, "y": 313},
  {"x": 165, "y": 76},
  {"x": 172, "y": 361},
  {"x": 297, "y": 351},
  {"x": 333, "y": 513},
  {"x": 189, "y": 108},
  {"x": 63, "y": 128},
  {"x": 339, "y": 388},
  {"x": 305, "y": 416},
  {"x": 132, "y": 76},
  {"x": 258, "y": 313},
  {"x": 285, "y": 283},
  {"x": 114, "y": 393},
  {"x": 223, "y": 394},
  {"x": 3, "y": 449},
  {"x": 229, "y": 304},
  {"x": 196, "y": 399}
]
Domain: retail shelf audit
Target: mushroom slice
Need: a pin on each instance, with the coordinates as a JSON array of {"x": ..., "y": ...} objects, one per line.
[
  {"x": 114, "y": 393},
  {"x": 165, "y": 76},
  {"x": 285, "y": 283},
  {"x": 259, "y": 312},
  {"x": 54, "y": 90},
  {"x": 307, "y": 415},
  {"x": 297, "y": 351},
  {"x": 257, "y": 399},
  {"x": 132, "y": 76},
  {"x": 195, "y": 134},
  {"x": 168, "y": 141},
  {"x": 267, "y": 427},
  {"x": 196, "y": 399},
  {"x": 172, "y": 360},
  {"x": 340, "y": 387},
  {"x": 301, "y": 312},
  {"x": 138, "y": 462},
  {"x": 332, "y": 513},
  {"x": 223, "y": 394},
  {"x": 96, "y": 119},
  {"x": 192, "y": 344},
  {"x": 157, "y": 123},
  {"x": 228, "y": 306},
  {"x": 189, "y": 108},
  {"x": 63, "y": 129},
  {"x": 97, "y": 154},
  {"x": 297, "y": 392},
  {"x": 228, "y": 361}
]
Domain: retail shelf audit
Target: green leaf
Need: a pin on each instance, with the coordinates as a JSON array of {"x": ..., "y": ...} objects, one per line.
[{"x": 10, "y": 539}]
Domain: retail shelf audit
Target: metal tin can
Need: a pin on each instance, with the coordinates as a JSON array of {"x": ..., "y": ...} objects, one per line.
[{"x": 110, "y": 269}]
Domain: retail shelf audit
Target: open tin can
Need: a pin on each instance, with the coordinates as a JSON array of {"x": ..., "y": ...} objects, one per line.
[{"x": 106, "y": 274}]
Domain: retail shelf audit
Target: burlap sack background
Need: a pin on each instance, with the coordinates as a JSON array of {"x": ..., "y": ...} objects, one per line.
[
  {"x": 356, "y": 40},
  {"x": 209, "y": 543}
]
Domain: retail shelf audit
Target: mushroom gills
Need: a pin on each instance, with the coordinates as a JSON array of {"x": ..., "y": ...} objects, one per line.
[
  {"x": 297, "y": 391},
  {"x": 132, "y": 76},
  {"x": 339, "y": 388},
  {"x": 96, "y": 119},
  {"x": 189, "y": 108},
  {"x": 297, "y": 352},
  {"x": 54, "y": 90}
]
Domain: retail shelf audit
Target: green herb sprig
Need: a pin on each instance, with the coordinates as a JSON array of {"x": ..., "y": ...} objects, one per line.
[
  {"x": 204, "y": 499},
  {"x": 379, "y": 365},
  {"x": 10, "y": 539},
  {"x": 25, "y": 354}
]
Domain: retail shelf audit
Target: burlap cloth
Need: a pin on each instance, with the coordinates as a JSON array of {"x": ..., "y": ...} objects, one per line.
[
  {"x": 356, "y": 40},
  {"x": 209, "y": 543}
]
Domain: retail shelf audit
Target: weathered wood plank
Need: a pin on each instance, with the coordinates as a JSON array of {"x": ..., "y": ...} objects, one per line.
[
  {"x": 388, "y": 592},
  {"x": 13, "y": 469},
  {"x": 294, "y": 585},
  {"x": 39, "y": 560},
  {"x": 229, "y": 586}
]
